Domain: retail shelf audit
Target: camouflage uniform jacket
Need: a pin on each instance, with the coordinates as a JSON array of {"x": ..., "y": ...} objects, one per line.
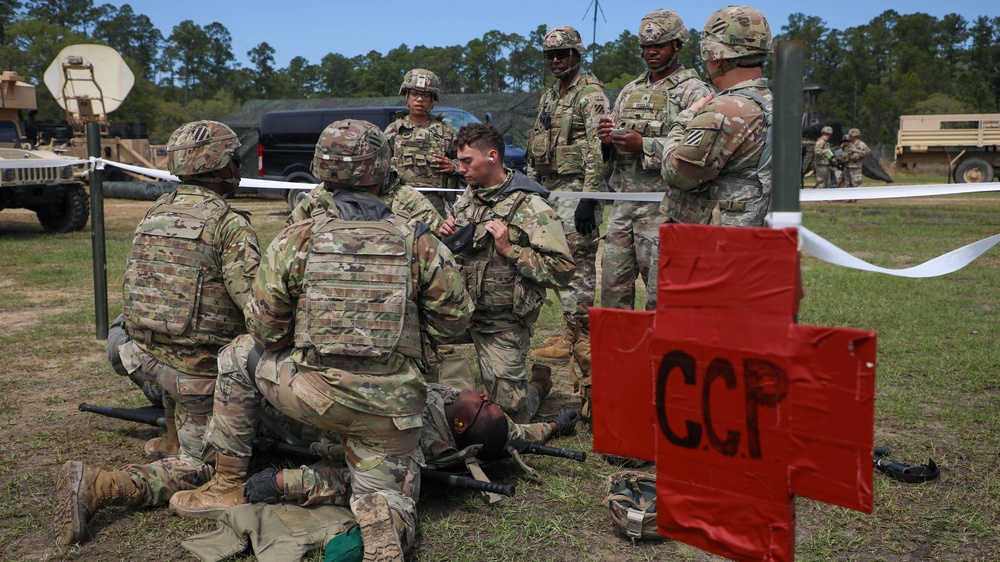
[
  {"x": 437, "y": 442},
  {"x": 855, "y": 152},
  {"x": 648, "y": 108},
  {"x": 509, "y": 290},
  {"x": 564, "y": 140},
  {"x": 411, "y": 146},
  {"x": 823, "y": 152},
  {"x": 382, "y": 381},
  {"x": 404, "y": 201},
  {"x": 715, "y": 155},
  {"x": 188, "y": 278}
]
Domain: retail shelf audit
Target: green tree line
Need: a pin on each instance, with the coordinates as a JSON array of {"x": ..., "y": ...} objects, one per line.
[{"x": 895, "y": 64}]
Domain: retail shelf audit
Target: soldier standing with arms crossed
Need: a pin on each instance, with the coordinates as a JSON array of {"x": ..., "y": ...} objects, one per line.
[
  {"x": 335, "y": 320},
  {"x": 643, "y": 113},
  {"x": 854, "y": 153},
  {"x": 423, "y": 146},
  {"x": 717, "y": 158},
  {"x": 565, "y": 155},
  {"x": 822, "y": 155}
]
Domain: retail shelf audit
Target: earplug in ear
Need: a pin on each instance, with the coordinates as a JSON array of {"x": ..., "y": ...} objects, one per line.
[
  {"x": 460, "y": 425},
  {"x": 491, "y": 159}
]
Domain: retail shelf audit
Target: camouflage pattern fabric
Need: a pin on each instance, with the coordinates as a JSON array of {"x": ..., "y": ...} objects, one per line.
[
  {"x": 509, "y": 291},
  {"x": 200, "y": 147},
  {"x": 411, "y": 146},
  {"x": 568, "y": 158},
  {"x": 855, "y": 152},
  {"x": 226, "y": 273},
  {"x": 191, "y": 396},
  {"x": 404, "y": 201},
  {"x": 158, "y": 481},
  {"x": 821, "y": 162},
  {"x": 631, "y": 243},
  {"x": 351, "y": 152},
  {"x": 736, "y": 32},
  {"x": 439, "y": 289},
  {"x": 714, "y": 156}
]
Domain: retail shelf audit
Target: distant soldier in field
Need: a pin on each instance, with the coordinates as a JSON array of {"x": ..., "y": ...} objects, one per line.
[
  {"x": 335, "y": 320},
  {"x": 855, "y": 152},
  {"x": 187, "y": 286},
  {"x": 517, "y": 250},
  {"x": 642, "y": 115},
  {"x": 423, "y": 145},
  {"x": 717, "y": 152},
  {"x": 564, "y": 154},
  {"x": 822, "y": 155}
]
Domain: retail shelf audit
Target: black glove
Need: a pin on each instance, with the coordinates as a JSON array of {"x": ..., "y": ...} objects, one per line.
[
  {"x": 565, "y": 422},
  {"x": 584, "y": 217},
  {"x": 263, "y": 487}
]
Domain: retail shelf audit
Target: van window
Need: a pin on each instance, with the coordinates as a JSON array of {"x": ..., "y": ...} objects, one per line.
[{"x": 8, "y": 134}]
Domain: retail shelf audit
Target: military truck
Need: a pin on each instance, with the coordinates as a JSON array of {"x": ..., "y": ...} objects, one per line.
[
  {"x": 969, "y": 144},
  {"x": 50, "y": 190}
]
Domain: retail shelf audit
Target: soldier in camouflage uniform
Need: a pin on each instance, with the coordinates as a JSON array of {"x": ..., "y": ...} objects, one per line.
[
  {"x": 717, "y": 157},
  {"x": 403, "y": 200},
  {"x": 336, "y": 313},
  {"x": 642, "y": 114},
  {"x": 822, "y": 155},
  {"x": 458, "y": 424},
  {"x": 423, "y": 145},
  {"x": 564, "y": 154},
  {"x": 855, "y": 152},
  {"x": 518, "y": 250},
  {"x": 186, "y": 288}
]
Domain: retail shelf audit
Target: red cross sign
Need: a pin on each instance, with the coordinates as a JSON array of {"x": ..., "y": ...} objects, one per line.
[{"x": 739, "y": 407}]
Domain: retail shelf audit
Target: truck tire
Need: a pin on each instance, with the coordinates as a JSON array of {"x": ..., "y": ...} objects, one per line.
[
  {"x": 69, "y": 215},
  {"x": 973, "y": 170}
]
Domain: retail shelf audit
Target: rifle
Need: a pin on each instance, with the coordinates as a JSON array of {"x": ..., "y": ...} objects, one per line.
[
  {"x": 524, "y": 446},
  {"x": 153, "y": 415}
]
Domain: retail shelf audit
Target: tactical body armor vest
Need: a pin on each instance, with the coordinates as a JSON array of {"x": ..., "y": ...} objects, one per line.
[
  {"x": 358, "y": 299},
  {"x": 173, "y": 290},
  {"x": 744, "y": 198},
  {"x": 649, "y": 112},
  {"x": 492, "y": 281},
  {"x": 549, "y": 142},
  {"x": 412, "y": 146}
]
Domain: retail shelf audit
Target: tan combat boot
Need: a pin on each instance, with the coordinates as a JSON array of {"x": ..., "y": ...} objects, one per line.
[
  {"x": 166, "y": 446},
  {"x": 560, "y": 350},
  {"x": 581, "y": 347},
  {"x": 82, "y": 490},
  {"x": 380, "y": 529},
  {"x": 223, "y": 491},
  {"x": 541, "y": 379}
]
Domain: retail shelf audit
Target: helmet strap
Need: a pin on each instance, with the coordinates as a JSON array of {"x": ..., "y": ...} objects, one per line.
[{"x": 725, "y": 67}]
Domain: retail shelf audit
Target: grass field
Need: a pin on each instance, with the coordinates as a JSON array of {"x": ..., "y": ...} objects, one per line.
[{"x": 938, "y": 396}]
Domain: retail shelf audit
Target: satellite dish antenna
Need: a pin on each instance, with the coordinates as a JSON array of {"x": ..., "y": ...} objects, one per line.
[{"x": 89, "y": 81}]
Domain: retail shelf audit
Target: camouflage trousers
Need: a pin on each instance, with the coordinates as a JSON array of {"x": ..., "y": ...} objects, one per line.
[
  {"x": 159, "y": 480},
  {"x": 631, "y": 250},
  {"x": 191, "y": 397},
  {"x": 822, "y": 177},
  {"x": 381, "y": 455},
  {"x": 503, "y": 367},
  {"x": 853, "y": 176},
  {"x": 579, "y": 296}
]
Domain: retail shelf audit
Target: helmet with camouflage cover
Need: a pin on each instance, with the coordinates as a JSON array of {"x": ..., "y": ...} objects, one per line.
[
  {"x": 827, "y": 130},
  {"x": 351, "y": 153},
  {"x": 423, "y": 80},
  {"x": 662, "y": 26},
  {"x": 563, "y": 37},
  {"x": 201, "y": 147},
  {"x": 632, "y": 499},
  {"x": 854, "y": 132},
  {"x": 736, "y": 32}
]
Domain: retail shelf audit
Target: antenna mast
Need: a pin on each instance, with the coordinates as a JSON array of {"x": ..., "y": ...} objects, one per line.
[{"x": 597, "y": 8}]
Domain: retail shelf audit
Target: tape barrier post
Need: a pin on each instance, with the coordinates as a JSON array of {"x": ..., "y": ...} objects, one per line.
[{"x": 97, "y": 234}]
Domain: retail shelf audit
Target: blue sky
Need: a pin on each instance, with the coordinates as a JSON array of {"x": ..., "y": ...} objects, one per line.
[{"x": 312, "y": 29}]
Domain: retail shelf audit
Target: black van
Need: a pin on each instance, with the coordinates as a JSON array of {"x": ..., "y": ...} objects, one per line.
[{"x": 288, "y": 139}]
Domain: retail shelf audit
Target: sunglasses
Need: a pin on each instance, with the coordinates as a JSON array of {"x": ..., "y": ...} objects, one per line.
[
  {"x": 476, "y": 417},
  {"x": 558, "y": 54},
  {"x": 421, "y": 95}
]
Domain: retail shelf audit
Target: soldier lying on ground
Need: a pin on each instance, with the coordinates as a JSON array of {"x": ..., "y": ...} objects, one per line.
[{"x": 457, "y": 424}]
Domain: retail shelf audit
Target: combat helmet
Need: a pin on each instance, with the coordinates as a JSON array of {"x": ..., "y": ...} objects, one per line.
[
  {"x": 662, "y": 26},
  {"x": 351, "y": 153},
  {"x": 854, "y": 132},
  {"x": 421, "y": 79},
  {"x": 737, "y": 33},
  {"x": 632, "y": 499},
  {"x": 826, "y": 130},
  {"x": 563, "y": 37},
  {"x": 201, "y": 147}
]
